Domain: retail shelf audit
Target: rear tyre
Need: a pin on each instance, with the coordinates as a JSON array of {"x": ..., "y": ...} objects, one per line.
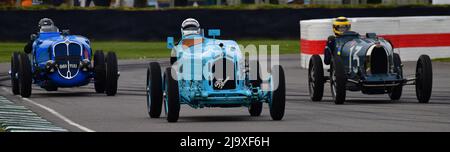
[
  {"x": 338, "y": 80},
  {"x": 25, "y": 79},
  {"x": 255, "y": 108},
  {"x": 424, "y": 79},
  {"x": 278, "y": 102},
  {"x": 100, "y": 71},
  {"x": 315, "y": 78},
  {"x": 14, "y": 70},
  {"x": 111, "y": 74},
  {"x": 154, "y": 90},
  {"x": 396, "y": 91},
  {"x": 172, "y": 101}
]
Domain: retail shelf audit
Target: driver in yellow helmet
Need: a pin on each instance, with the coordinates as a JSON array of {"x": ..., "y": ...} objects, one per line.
[{"x": 341, "y": 25}]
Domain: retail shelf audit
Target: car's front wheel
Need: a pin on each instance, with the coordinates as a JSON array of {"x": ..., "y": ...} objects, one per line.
[
  {"x": 154, "y": 90},
  {"x": 14, "y": 70},
  {"x": 278, "y": 101},
  {"x": 25, "y": 75},
  {"x": 338, "y": 80},
  {"x": 171, "y": 99},
  {"x": 315, "y": 78},
  {"x": 396, "y": 91},
  {"x": 100, "y": 71},
  {"x": 424, "y": 79},
  {"x": 112, "y": 74}
]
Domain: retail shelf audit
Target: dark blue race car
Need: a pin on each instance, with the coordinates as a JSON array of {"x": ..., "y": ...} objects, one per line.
[
  {"x": 54, "y": 59},
  {"x": 367, "y": 64}
]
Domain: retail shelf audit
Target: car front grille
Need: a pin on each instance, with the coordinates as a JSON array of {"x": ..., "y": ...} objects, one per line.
[
  {"x": 224, "y": 74},
  {"x": 67, "y": 59}
]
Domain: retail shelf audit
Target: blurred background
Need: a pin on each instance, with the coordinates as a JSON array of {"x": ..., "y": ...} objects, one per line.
[
  {"x": 139, "y": 28},
  {"x": 194, "y": 3}
]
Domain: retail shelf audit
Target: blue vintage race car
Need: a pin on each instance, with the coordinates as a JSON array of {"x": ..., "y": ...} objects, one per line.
[
  {"x": 54, "y": 59},
  {"x": 367, "y": 64},
  {"x": 208, "y": 72}
]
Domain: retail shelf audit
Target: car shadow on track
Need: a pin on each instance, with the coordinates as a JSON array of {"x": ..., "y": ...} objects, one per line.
[
  {"x": 201, "y": 119},
  {"x": 375, "y": 102},
  {"x": 65, "y": 94}
]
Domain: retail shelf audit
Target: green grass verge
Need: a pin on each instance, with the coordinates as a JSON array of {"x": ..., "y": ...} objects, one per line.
[
  {"x": 1, "y": 130},
  {"x": 442, "y": 59},
  {"x": 141, "y": 50}
]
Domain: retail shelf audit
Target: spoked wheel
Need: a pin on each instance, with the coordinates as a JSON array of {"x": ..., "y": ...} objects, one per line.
[
  {"x": 278, "y": 99},
  {"x": 154, "y": 90},
  {"x": 171, "y": 97},
  {"x": 315, "y": 78},
  {"x": 100, "y": 71},
  {"x": 338, "y": 80},
  {"x": 14, "y": 74},
  {"x": 396, "y": 91},
  {"x": 25, "y": 74},
  {"x": 112, "y": 74},
  {"x": 424, "y": 79}
]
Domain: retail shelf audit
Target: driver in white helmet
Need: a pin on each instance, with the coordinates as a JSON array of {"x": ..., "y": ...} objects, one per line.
[
  {"x": 191, "y": 35},
  {"x": 190, "y": 26}
]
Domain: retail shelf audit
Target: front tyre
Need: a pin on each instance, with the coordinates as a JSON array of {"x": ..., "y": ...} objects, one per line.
[
  {"x": 112, "y": 74},
  {"x": 25, "y": 74},
  {"x": 315, "y": 78},
  {"x": 14, "y": 71},
  {"x": 154, "y": 90},
  {"x": 100, "y": 71},
  {"x": 338, "y": 80},
  {"x": 278, "y": 101},
  {"x": 424, "y": 79},
  {"x": 396, "y": 91},
  {"x": 172, "y": 101}
]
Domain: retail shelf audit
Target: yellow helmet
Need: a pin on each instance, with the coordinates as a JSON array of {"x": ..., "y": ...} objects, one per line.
[{"x": 341, "y": 25}]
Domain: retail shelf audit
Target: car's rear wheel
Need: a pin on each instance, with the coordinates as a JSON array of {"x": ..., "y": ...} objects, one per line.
[
  {"x": 112, "y": 74},
  {"x": 172, "y": 101},
  {"x": 338, "y": 80},
  {"x": 154, "y": 90},
  {"x": 255, "y": 108},
  {"x": 424, "y": 79},
  {"x": 14, "y": 70},
  {"x": 396, "y": 91},
  {"x": 100, "y": 71},
  {"x": 25, "y": 75},
  {"x": 315, "y": 78},
  {"x": 278, "y": 101}
]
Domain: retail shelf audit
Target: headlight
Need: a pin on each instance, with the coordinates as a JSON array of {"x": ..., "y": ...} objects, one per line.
[
  {"x": 85, "y": 65},
  {"x": 50, "y": 66}
]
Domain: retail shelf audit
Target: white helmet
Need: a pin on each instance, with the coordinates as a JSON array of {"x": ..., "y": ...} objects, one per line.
[{"x": 190, "y": 26}]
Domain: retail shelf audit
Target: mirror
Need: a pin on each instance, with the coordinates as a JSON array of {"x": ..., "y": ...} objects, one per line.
[
  {"x": 170, "y": 42},
  {"x": 65, "y": 32},
  {"x": 214, "y": 32}
]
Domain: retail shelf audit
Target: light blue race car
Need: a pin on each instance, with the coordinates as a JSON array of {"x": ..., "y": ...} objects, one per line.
[
  {"x": 54, "y": 59},
  {"x": 208, "y": 72}
]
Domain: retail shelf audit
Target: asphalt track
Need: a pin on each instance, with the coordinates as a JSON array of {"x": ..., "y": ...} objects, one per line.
[{"x": 80, "y": 109}]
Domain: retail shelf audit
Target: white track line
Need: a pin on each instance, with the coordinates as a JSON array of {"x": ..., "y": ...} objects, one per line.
[{"x": 57, "y": 114}]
